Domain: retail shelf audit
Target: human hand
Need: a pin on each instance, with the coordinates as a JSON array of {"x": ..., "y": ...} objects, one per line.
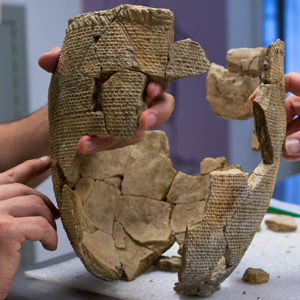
[
  {"x": 292, "y": 104},
  {"x": 160, "y": 107},
  {"x": 25, "y": 214},
  {"x": 291, "y": 151}
]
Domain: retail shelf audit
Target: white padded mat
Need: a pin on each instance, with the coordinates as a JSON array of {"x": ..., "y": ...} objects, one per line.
[{"x": 276, "y": 253}]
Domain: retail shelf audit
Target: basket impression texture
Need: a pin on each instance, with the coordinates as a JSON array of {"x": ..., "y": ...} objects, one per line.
[{"x": 123, "y": 208}]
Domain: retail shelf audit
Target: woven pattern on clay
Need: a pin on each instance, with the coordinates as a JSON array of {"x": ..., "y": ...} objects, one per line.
[
  {"x": 123, "y": 208},
  {"x": 106, "y": 61}
]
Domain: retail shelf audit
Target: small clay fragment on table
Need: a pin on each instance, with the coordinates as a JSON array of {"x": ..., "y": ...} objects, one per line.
[
  {"x": 281, "y": 223},
  {"x": 255, "y": 276}
]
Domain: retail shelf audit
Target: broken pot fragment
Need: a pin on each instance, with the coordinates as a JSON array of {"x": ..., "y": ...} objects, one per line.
[
  {"x": 113, "y": 204},
  {"x": 123, "y": 208},
  {"x": 215, "y": 244},
  {"x": 228, "y": 93}
]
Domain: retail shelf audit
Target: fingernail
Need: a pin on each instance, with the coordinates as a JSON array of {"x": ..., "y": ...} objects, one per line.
[
  {"x": 292, "y": 146},
  {"x": 45, "y": 158},
  {"x": 151, "y": 121},
  {"x": 90, "y": 146}
]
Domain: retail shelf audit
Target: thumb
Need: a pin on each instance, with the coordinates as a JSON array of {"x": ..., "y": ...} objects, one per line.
[
  {"x": 292, "y": 145},
  {"x": 9, "y": 262},
  {"x": 25, "y": 171},
  {"x": 48, "y": 60}
]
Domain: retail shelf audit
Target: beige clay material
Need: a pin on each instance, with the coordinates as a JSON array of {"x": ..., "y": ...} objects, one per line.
[
  {"x": 237, "y": 202},
  {"x": 123, "y": 208},
  {"x": 107, "y": 59},
  {"x": 210, "y": 164},
  {"x": 169, "y": 264},
  {"x": 121, "y": 230},
  {"x": 228, "y": 93},
  {"x": 246, "y": 61},
  {"x": 256, "y": 276},
  {"x": 281, "y": 223}
]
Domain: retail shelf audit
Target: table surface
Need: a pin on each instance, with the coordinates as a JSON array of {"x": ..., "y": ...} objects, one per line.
[
  {"x": 66, "y": 278},
  {"x": 29, "y": 288}
]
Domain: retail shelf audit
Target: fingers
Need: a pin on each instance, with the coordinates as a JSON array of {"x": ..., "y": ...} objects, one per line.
[
  {"x": 34, "y": 182},
  {"x": 9, "y": 262},
  {"x": 26, "y": 171},
  {"x": 291, "y": 150},
  {"x": 292, "y": 107},
  {"x": 161, "y": 106},
  {"x": 154, "y": 89},
  {"x": 91, "y": 144},
  {"x": 15, "y": 231},
  {"x": 48, "y": 61},
  {"x": 30, "y": 205},
  {"x": 290, "y": 157},
  {"x": 35, "y": 228},
  {"x": 25, "y": 214},
  {"x": 253, "y": 95},
  {"x": 14, "y": 190},
  {"x": 292, "y": 127},
  {"x": 292, "y": 83},
  {"x": 159, "y": 112}
]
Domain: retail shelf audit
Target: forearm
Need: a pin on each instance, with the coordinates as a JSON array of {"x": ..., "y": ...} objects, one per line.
[{"x": 24, "y": 139}]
